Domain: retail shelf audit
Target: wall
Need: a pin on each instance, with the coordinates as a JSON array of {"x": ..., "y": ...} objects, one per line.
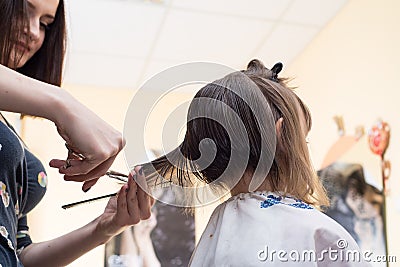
[{"x": 351, "y": 69}]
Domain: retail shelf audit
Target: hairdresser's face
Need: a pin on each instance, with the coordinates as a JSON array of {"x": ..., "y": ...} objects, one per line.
[{"x": 41, "y": 15}]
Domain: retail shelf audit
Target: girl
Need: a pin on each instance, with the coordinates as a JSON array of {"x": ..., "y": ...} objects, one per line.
[{"x": 246, "y": 133}]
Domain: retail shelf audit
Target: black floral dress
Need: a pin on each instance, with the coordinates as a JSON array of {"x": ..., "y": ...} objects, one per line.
[{"x": 23, "y": 182}]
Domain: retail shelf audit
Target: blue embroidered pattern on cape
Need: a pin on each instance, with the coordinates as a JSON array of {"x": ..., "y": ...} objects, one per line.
[{"x": 273, "y": 200}]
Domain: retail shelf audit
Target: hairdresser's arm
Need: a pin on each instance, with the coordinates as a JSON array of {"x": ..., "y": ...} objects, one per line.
[
  {"x": 83, "y": 130},
  {"x": 127, "y": 209}
]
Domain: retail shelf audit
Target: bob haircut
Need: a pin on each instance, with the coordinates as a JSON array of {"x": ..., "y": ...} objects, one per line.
[
  {"x": 47, "y": 64},
  {"x": 291, "y": 172}
]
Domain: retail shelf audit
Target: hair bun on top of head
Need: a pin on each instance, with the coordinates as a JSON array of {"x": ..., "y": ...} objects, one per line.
[
  {"x": 256, "y": 67},
  {"x": 275, "y": 70}
]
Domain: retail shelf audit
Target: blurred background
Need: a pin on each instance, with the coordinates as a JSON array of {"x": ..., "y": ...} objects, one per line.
[{"x": 342, "y": 54}]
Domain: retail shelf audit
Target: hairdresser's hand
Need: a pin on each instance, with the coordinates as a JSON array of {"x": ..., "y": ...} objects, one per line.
[
  {"x": 86, "y": 134},
  {"x": 131, "y": 205},
  {"x": 81, "y": 129}
]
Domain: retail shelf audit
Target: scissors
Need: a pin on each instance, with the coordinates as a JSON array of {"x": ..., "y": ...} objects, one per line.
[{"x": 111, "y": 174}]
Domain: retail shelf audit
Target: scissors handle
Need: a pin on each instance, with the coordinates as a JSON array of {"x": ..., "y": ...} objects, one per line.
[{"x": 67, "y": 206}]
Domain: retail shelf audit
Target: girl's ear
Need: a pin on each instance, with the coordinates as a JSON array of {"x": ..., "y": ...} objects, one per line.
[
  {"x": 278, "y": 129},
  {"x": 278, "y": 126}
]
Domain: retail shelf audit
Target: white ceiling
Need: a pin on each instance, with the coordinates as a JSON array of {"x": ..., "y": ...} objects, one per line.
[{"x": 121, "y": 43}]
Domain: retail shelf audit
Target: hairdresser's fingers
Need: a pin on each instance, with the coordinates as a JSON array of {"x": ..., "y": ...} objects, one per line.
[
  {"x": 88, "y": 184},
  {"x": 73, "y": 156},
  {"x": 79, "y": 169},
  {"x": 63, "y": 164},
  {"x": 94, "y": 174},
  {"x": 85, "y": 169},
  {"x": 132, "y": 201},
  {"x": 152, "y": 201},
  {"x": 57, "y": 163},
  {"x": 141, "y": 179},
  {"x": 122, "y": 216},
  {"x": 145, "y": 203},
  {"x": 144, "y": 200}
]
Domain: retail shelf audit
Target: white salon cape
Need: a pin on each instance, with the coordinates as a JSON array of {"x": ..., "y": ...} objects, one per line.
[{"x": 264, "y": 229}]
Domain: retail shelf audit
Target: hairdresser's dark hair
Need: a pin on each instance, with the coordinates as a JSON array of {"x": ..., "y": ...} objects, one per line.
[
  {"x": 13, "y": 21},
  {"x": 47, "y": 64},
  {"x": 291, "y": 171}
]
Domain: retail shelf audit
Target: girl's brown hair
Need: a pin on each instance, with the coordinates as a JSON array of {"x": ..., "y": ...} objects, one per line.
[{"x": 291, "y": 172}]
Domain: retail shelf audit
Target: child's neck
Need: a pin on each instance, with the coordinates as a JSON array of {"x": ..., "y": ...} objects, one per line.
[{"x": 243, "y": 185}]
